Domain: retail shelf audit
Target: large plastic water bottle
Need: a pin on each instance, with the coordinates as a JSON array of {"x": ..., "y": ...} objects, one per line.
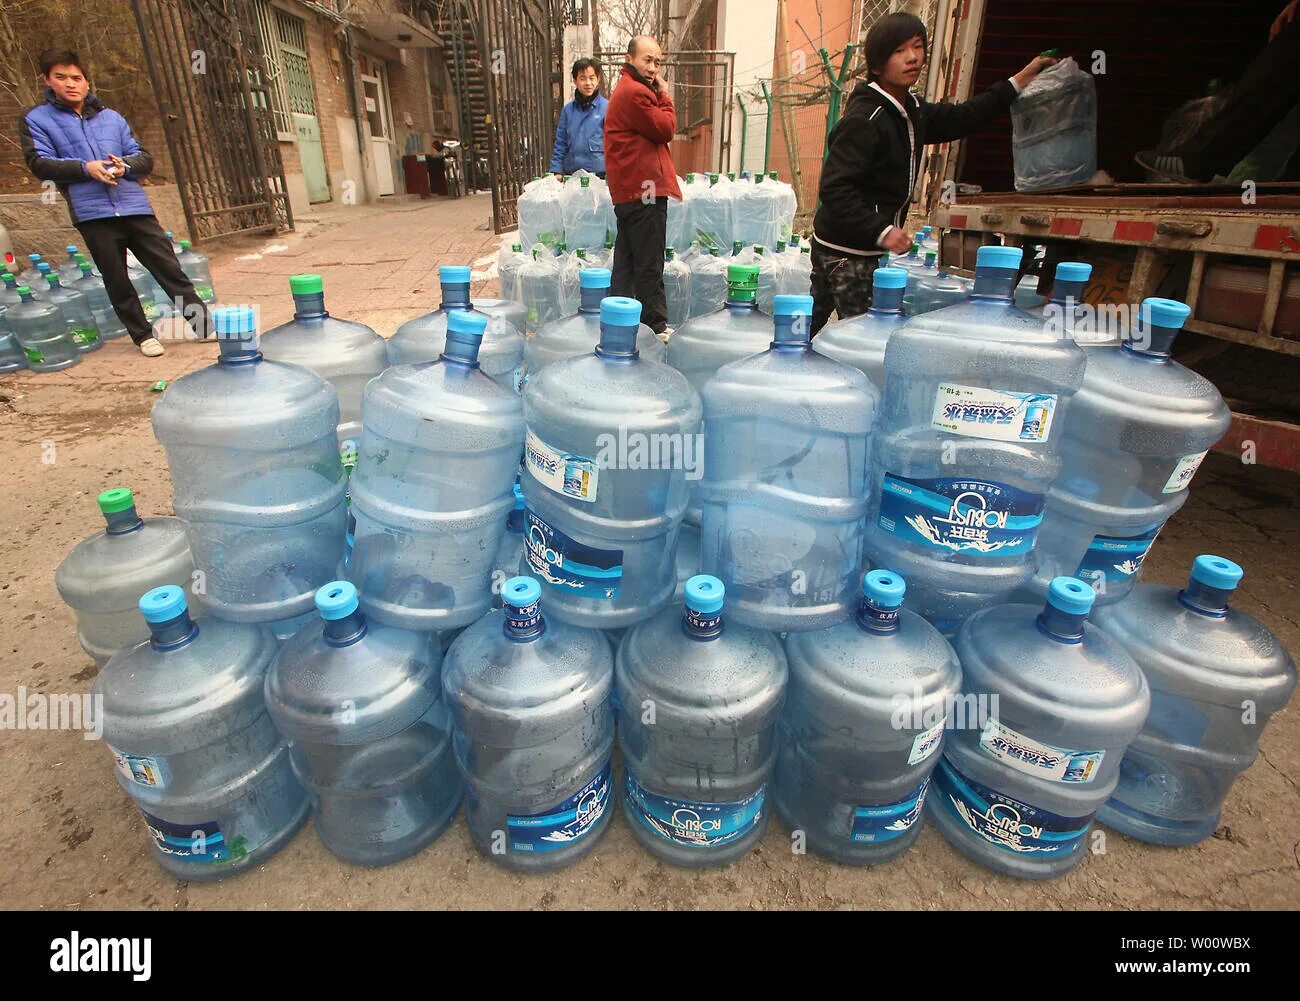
[
  {"x": 1066, "y": 312},
  {"x": 42, "y": 333},
  {"x": 102, "y": 579},
  {"x": 439, "y": 452},
  {"x": 32, "y": 277},
  {"x": 611, "y": 441},
  {"x": 788, "y": 202},
  {"x": 75, "y": 308},
  {"x": 509, "y": 260},
  {"x": 541, "y": 216},
  {"x": 1139, "y": 428},
  {"x": 1058, "y": 700},
  {"x": 677, "y": 288},
  {"x": 1054, "y": 129},
  {"x": 369, "y": 732},
  {"x": 91, "y": 285},
  {"x": 70, "y": 269},
  {"x": 344, "y": 353},
  {"x": 424, "y": 338},
  {"x": 153, "y": 300},
  {"x": 1217, "y": 675},
  {"x": 698, "y": 708},
  {"x": 796, "y": 275},
  {"x": 507, "y": 310},
  {"x": 771, "y": 278},
  {"x": 12, "y": 358},
  {"x": 927, "y": 271},
  {"x": 712, "y": 215},
  {"x": 534, "y": 731},
  {"x": 758, "y": 211},
  {"x": 539, "y": 288},
  {"x": 258, "y": 481},
  {"x": 198, "y": 271},
  {"x": 583, "y": 214},
  {"x": 969, "y": 442},
  {"x": 679, "y": 232},
  {"x": 186, "y": 722},
  {"x": 579, "y": 334},
  {"x": 863, "y": 726},
  {"x": 860, "y": 340},
  {"x": 938, "y": 290},
  {"x": 785, "y": 479},
  {"x": 708, "y": 282}
]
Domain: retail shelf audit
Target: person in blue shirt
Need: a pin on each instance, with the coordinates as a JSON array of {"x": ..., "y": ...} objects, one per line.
[{"x": 580, "y": 136}]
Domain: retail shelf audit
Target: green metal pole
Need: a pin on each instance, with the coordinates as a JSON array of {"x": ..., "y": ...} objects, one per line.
[
  {"x": 767, "y": 141},
  {"x": 836, "y": 86},
  {"x": 744, "y": 127}
]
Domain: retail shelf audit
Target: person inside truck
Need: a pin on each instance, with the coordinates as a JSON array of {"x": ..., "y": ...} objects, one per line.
[{"x": 873, "y": 161}]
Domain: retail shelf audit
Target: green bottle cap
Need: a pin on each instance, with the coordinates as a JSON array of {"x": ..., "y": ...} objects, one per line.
[
  {"x": 306, "y": 285},
  {"x": 518, "y": 248},
  {"x": 118, "y": 499},
  {"x": 742, "y": 282},
  {"x": 186, "y": 245},
  {"x": 158, "y": 386},
  {"x": 668, "y": 253},
  {"x": 585, "y": 181}
]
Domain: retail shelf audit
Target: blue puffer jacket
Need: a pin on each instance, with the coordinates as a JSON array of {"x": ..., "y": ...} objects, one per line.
[
  {"x": 580, "y": 138},
  {"x": 58, "y": 143}
]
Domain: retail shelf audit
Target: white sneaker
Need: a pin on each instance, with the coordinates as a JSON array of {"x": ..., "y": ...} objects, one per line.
[{"x": 151, "y": 347}]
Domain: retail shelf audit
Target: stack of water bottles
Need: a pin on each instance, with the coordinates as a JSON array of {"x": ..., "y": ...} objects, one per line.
[{"x": 853, "y": 586}]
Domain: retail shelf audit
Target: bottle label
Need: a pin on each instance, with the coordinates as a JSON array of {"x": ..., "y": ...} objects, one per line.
[
  {"x": 974, "y": 517},
  {"x": 518, "y": 377},
  {"x": 1000, "y": 820},
  {"x": 874, "y": 824},
  {"x": 568, "y": 475},
  {"x": 564, "y": 823},
  {"x": 1032, "y": 757},
  {"x": 995, "y": 414},
  {"x": 34, "y": 357},
  {"x": 152, "y": 773},
  {"x": 1183, "y": 472},
  {"x": 1113, "y": 558},
  {"x": 202, "y": 843},
  {"x": 579, "y": 570},
  {"x": 927, "y": 742},
  {"x": 696, "y": 825},
  {"x": 84, "y": 335}
]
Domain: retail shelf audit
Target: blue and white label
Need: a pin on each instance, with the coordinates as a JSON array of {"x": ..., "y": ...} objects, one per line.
[
  {"x": 569, "y": 475},
  {"x": 874, "y": 824},
  {"x": 202, "y": 843},
  {"x": 927, "y": 742},
  {"x": 1181, "y": 478},
  {"x": 569, "y": 565},
  {"x": 1000, "y": 820},
  {"x": 564, "y": 823},
  {"x": 995, "y": 414},
  {"x": 1113, "y": 558},
  {"x": 696, "y": 825},
  {"x": 1033, "y": 757},
  {"x": 969, "y": 516},
  {"x": 141, "y": 770}
]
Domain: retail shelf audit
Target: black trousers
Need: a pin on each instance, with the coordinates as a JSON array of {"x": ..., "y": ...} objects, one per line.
[
  {"x": 108, "y": 240},
  {"x": 840, "y": 283},
  {"x": 639, "y": 258}
]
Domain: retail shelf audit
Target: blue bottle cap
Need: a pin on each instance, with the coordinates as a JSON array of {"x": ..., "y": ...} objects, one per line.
[
  {"x": 1165, "y": 313},
  {"x": 1215, "y": 571},
  {"x": 1073, "y": 271},
  {"x": 234, "y": 319},
  {"x": 620, "y": 311},
  {"x": 520, "y": 592},
  {"x": 453, "y": 274},
  {"x": 162, "y": 604},
  {"x": 999, "y": 257},
  {"x": 594, "y": 278},
  {"x": 884, "y": 588},
  {"x": 889, "y": 278},
  {"x": 1070, "y": 595},
  {"x": 792, "y": 305},
  {"x": 705, "y": 594},
  {"x": 43, "y": 268},
  {"x": 520, "y": 504},
  {"x": 1083, "y": 487},
  {"x": 33, "y": 257},
  {"x": 336, "y": 600},
  {"x": 464, "y": 321},
  {"x": 71, "y": 248}
]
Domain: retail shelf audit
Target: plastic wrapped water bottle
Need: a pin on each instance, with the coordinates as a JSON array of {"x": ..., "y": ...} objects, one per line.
[
  {"x": 785, "y": 479},
  {"x": 102, "y": 579},
  {"x": 758, "y": 211},
  {"x": 1054, "y": 129},
  {"x": 91, "y": 285},
  {"x": 509, "y": 260},
  {"x": 860, "y": 340},
  {"x": 583, "y": 213},
  {"x": 863, "y": 726},
  {"x": 541, "y": 215},
  {"x": 42, "y": 333},
  {"x": 579, "y": 334},
  {"x": 424, "y": 338},
  {"x": 534, "y": 731},
  {"x": 1059, "y": 701},
  {"x": 198, "y": 271},
  {"x": 712, "y": 215},
  {"x": 796, "y": 273},
  {"x": 611, "y": 441},
  {"x": 153, "y": 300},
  {"x": 698, "y": 709},
  {"x": 1205, "y": 662},
  {"x": 679, "y": 232},
  {"x": 507, "y": 310},
  {"x": 771, "y": 278},
  {"x": 440, "y": 448},
  {"x": 788, "y": 202},
  {"x": 369, "y": 733},
  {"x": 539, "y": 288},
  {"x": 70, "y": 269},
  {"x": 258, "y": 481},
  {"x": 1139, "y": 427},
  {"x": 708, "y": 282},
  {"x": 344, "y": 353},
  {"x": 677, "y": 288},
  {"x": 186, "y": 722},
  {"x": 76, "y": 314},
  {"x": 969, "y": 443}
]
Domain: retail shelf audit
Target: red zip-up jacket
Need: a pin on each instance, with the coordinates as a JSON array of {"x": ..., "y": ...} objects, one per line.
[{"x": 639, "y": 125}]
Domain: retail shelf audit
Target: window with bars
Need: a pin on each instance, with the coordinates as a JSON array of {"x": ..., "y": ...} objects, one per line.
[{"x": 284, "y": 48}]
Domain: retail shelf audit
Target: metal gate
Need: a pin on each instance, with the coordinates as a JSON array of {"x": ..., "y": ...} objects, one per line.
[{"x": 205, "y": 61}]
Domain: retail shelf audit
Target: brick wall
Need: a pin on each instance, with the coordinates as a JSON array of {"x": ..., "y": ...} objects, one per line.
[{"x": 37, "y": 227}]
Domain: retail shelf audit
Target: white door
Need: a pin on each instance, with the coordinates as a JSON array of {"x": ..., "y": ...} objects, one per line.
[{"x": 374, "y": 89}]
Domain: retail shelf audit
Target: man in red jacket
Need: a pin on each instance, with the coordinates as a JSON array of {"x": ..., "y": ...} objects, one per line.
[{"x": 639, "y": 124}]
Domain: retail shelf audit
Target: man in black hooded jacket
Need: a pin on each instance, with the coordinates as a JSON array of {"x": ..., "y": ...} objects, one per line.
[{"x": 874, "y": 160}]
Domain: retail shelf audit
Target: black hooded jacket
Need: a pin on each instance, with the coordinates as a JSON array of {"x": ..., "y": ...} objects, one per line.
[{"x": 867, "y": 179}]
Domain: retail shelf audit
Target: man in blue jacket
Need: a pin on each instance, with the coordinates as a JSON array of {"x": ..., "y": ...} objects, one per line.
[
  {"x": 90, "y": 153},
  {"x": 580, "y": 134}
]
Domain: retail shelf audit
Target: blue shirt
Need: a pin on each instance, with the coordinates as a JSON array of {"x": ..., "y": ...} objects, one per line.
[{"x": 580, "y": 138}]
